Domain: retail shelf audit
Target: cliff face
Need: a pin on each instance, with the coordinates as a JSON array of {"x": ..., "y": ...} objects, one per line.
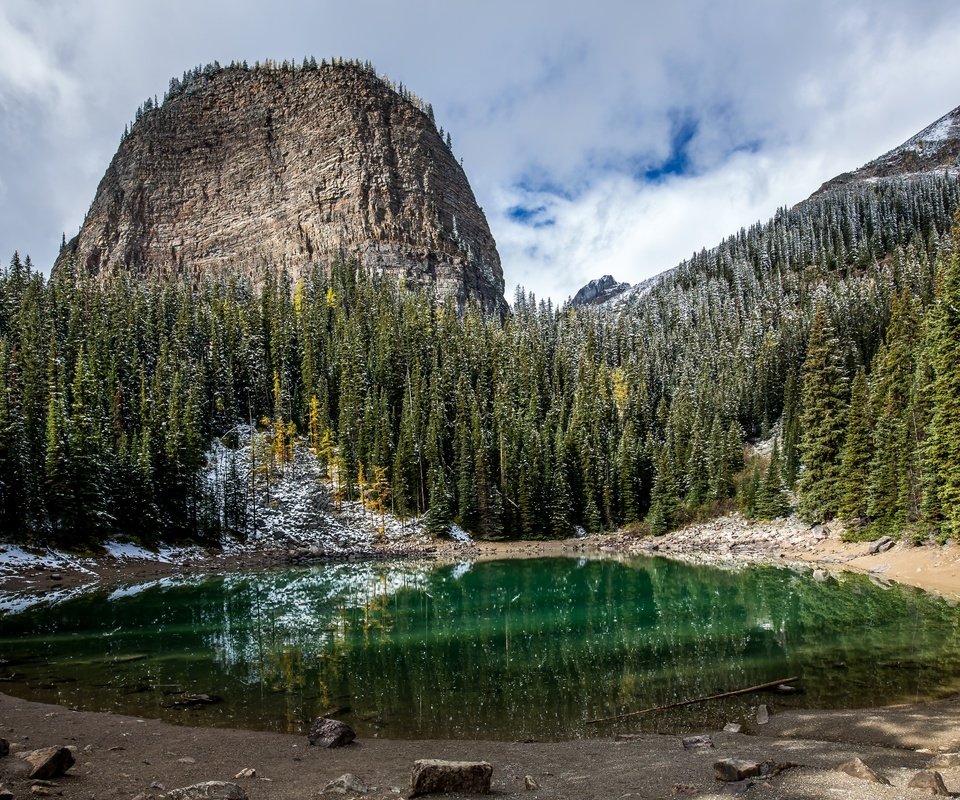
[{"x": 248, "y": 170}]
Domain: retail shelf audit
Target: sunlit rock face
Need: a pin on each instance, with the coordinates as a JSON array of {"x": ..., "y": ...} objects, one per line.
[{"x": 246, "y": 171}]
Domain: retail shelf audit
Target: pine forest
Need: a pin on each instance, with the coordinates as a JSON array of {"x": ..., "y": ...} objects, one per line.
[{"x": 810, "y": 363}]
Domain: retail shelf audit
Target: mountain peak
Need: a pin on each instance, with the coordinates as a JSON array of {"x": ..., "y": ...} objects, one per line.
[
  {"x": 935, "y": 148},
  {"x": 598, "y": 291},
  {"x": 244, "y": 171}
]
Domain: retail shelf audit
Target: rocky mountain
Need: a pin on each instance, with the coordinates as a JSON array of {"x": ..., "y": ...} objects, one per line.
[
  {"x": 244, "y": 170},
  {"x": 935, "y": 148},
  {"x": 598, "y": 291}
]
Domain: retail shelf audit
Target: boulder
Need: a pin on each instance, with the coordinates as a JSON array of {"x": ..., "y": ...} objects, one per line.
[
  {"x": 326, "y": 732},
  {"x": 208, "y": 790},
  {"x": 431, "y": 776},
  {"x": 48, "y": 763},
  {"x": 881, "y": 545},
  {"x": 729, "y": 770},
  {"x": 348, "y": 783},
  {"x": 945, "y": 760},
  {"x": 857, "y": 769},
  {"x": 929, "y": 781}
]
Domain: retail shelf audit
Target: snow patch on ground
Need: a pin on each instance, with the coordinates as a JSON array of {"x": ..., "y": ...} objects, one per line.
[
  {"x": 128, "y": 551},
  {"x": 295, "y": 507},
  {"x": 15, "y": 560},
  {"x": 458, "y": 534}
]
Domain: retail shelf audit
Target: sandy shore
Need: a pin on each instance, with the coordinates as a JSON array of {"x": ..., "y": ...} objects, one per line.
[{"x": 127, "y": 757}]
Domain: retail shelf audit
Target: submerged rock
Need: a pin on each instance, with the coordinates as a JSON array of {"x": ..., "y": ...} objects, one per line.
[
  {"x": 326, "y": 732},
  {"x": 432, "y": 776}
]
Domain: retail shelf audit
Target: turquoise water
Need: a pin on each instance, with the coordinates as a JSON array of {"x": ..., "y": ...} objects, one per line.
[{"x": 513, "y": 649}]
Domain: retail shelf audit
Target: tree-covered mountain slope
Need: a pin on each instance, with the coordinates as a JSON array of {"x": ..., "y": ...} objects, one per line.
[{"x": 829, "y": 329}]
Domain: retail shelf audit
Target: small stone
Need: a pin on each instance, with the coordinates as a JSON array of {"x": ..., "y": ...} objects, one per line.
[
  {"x": 44, "y": 791},
  {"x": 185, "y": 760},
  {"x": 783, "y": 688},
  {"x": 820, "y": 575},
  {"x": 56, "y": 576},
  {"x": 209, "y": 790},
  {"x": 929, "y": 781},
  {"x": 763, "y": 714},
  {"x": 430, "y": 776},
  {"x": 347, "y": 783},
  {"x": 530, "y": 783},
  {"x": 326, "y": 732},
  {"x": 684, "y": 790},
  {"x": 246, "y": 772},
  {"x": 945, "y": 760},
  {"x": 857, "y": 769},
  {"x": 48, "y": 763},
  {"x": 732, "y": 727},
  {"x": 737, "y": 787},
  {"x": 735, "y": 769},
  {"x": 158, "y": 786},
  {"x": 697, "y": 743}
]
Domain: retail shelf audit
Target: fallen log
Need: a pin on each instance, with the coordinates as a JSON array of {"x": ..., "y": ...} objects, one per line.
[{"x": 722, "y": 695}]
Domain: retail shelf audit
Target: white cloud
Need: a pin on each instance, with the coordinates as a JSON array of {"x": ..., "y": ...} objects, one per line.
[
  {"x": 28, "y": 72},
  {"x": 578, "y": 97}
]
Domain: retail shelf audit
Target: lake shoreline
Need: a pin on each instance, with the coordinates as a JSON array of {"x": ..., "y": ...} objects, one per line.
[
  {"x": 124, "y": 756},
  {"x": 729, "y": 541}
]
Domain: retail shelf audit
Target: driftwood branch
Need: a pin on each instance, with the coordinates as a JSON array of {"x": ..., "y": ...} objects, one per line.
[{"x": 748, "y": 690}]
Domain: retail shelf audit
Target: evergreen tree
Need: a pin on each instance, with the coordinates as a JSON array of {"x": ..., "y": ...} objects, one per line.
[
  {"x": 856, "y": 453},
  {"x": 822, "y": 419},
  {"x": 943, "y": 450}
]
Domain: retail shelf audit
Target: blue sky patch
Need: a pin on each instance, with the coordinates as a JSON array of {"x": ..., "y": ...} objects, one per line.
[
  {"x": 678, "y": 160},
  {"x": 533, "y": 217}
]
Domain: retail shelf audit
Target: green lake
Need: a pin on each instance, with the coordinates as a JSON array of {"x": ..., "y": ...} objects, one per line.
[{"x": 512, "y": 649}]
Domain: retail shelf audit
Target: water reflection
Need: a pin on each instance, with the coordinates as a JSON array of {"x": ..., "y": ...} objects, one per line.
[{"x": 510, "y": 649}]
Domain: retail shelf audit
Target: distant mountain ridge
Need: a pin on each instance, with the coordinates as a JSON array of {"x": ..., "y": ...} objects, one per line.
[
  {"x": 598, "y": 291},
  {"x": 935, "y": 148}
]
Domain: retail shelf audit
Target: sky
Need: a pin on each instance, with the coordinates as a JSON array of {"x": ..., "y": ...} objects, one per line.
[{"x": 599, "y": 138}]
